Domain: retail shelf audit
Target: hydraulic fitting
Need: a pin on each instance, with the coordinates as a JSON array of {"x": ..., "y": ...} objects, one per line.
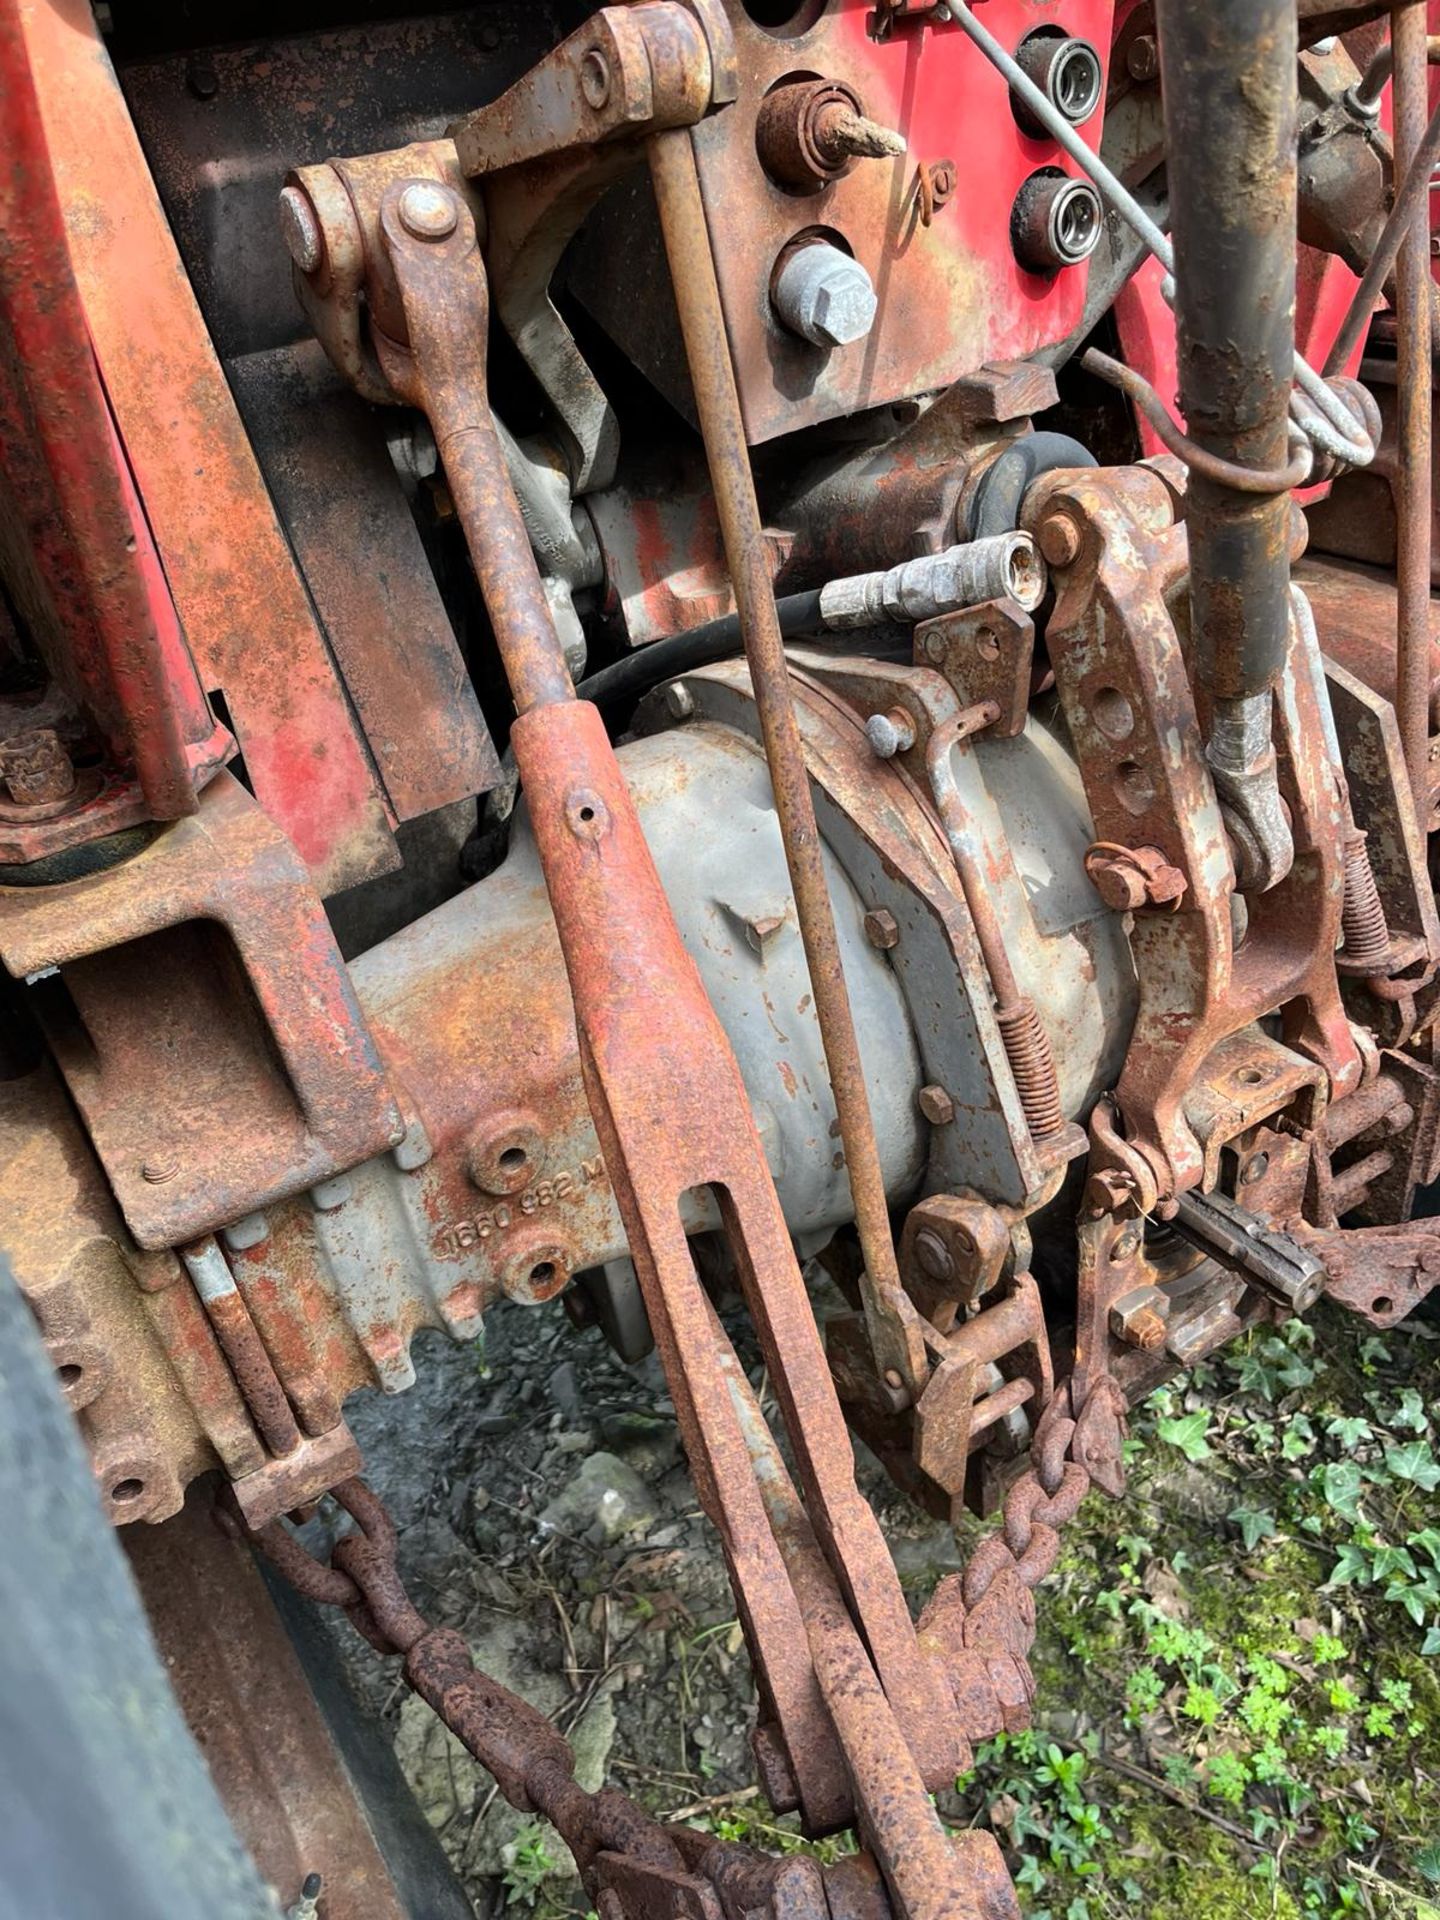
[
  {"x": 1056, "y": 221},
  {"x": 1066, "y": 70}
]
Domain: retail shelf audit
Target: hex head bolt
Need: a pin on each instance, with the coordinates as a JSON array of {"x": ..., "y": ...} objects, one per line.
[{"x": 824, "y": 296}]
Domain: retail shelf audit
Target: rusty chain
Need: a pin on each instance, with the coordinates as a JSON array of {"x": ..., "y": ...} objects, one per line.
[
  {"x": 981, "y": 1624},
  {"x": 618, "y": 1847},
  {"x": 982, "y": 1621}
]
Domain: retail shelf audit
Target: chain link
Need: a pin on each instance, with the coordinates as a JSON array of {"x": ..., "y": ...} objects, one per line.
[
  {"x": 674, "y": 1875},
  {"x": 981, "y": 1623}
]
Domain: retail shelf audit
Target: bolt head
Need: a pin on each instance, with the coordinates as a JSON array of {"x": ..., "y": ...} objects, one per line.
[
  {"x": 881, "y": 929},
  {"x": 933, "y": 1257},
  {"x": 428, "y": 211},
  {"x": 1140, "y": 1319},
  {"x": 845, "y": 306},
  {"x": 595, "y": 78},
  {"x": 1119, "y": 883},
  {"x": 1142, "y": 61},
  {"x": 300, "y": 229},
  {"x": 762, "y": 929},
  {"x": 825, "y": 296},
  {"x": 1059, "y": 539},
  {"x": 936, "y": 1105},
  {"x": 890, "y": 733},
  {"x": 156, "y": 1172},
  {"x": 679, "y": 701}
]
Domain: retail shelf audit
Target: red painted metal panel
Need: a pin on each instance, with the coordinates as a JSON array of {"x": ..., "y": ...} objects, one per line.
[
  {"x": 97, "y": 603},
  {"x": 235, "y": 584}
]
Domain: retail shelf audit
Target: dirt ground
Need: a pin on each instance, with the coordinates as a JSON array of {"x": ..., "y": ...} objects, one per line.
[{"x": 1194, "y": 1753}]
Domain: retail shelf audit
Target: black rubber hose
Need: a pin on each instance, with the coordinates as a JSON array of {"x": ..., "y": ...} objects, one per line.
[
  {"x": 647, "y": 666},
  {"x": 1005, "y": 482}
]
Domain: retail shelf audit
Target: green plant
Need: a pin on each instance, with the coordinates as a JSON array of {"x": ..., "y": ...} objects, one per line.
[{"x": 529, "y": 1864}]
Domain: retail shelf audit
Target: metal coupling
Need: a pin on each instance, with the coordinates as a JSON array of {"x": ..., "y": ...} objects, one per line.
[
  {"x": 1056, "y": 221},
  {"x": 1069, "y": 73},
  {"x": 1004, "y": 566},
  {"x": 823, "y": 295},
  {"x": 1242, "y": 762}
]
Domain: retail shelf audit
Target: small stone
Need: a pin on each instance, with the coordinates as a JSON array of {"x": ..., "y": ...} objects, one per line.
[
  {"x": 648, "y": 1444},
  {"x": 606, "y": 1496},
  {"x": 564, "y": 1390}
]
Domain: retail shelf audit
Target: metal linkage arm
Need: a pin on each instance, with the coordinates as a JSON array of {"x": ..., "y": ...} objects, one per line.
[
  {"x": 893, "y": 1324},
  {"x": 667, "y": 1097}
]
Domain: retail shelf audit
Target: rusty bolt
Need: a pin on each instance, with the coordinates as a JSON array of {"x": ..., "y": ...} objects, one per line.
[
  {"x": 157, "y": 1172},
  {"x": 894, "y": 1379},
  {"x": 300, "y": 229},
  {"x": 595, "y": 78},
  {"x": 1139, "y": 1319},
  {"x": 936, "y": 1105},
  {"x": 1142, "y": 60},
  {"x": 427, "y": 211},
  {"x": 36, "y": 768},
  {"x": 933, "y": 1257},
  {"x": 890, "y": 733},
  {"x": 1127, "y": 1242},
  {"x": 1107, "y": 1190},
  {"x": 943, "y": 181},
  {"x": 881, "y": 929},
  {"x": 1119, "y": 884},
  {"x": 1059, "y": 539},
  {"x": 761, "y": 928},
  {"x": 1127, "y": 878}
]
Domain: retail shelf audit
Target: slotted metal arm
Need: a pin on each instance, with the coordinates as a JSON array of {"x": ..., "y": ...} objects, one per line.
[{"x": 673, "y": 1116}]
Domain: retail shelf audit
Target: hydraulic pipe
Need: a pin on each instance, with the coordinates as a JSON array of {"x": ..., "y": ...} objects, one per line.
[{"x": 1228, "y": 71}]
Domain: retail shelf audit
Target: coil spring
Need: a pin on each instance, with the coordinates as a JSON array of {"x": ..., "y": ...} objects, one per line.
[
  {"x": 1362, "y": 916},
  {"x": 1027, "y": 1048}
]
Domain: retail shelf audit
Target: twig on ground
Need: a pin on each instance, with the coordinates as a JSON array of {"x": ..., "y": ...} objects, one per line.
[{"x": 714, "y": 1800}]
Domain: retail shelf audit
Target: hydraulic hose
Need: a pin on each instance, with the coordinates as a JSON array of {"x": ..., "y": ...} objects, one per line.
[
  {"x": 1003, "y": 485},
  {"x": 647, "y": 667}
]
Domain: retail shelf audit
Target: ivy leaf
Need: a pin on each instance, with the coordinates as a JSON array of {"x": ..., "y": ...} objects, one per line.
[
  {"x": 1351, "y": 1568},
  {"x": 1348, "y": 1429},
  {"x": 1416, "y": 1463},
  {"x": 1255, "y": 1525},
  {"x": 1299, "y": 1439},
  {"x": 1410, "y": 1412},
  {"x": 1188, "y": 1434},
  {"x": 1427, "y": 1542},
  {"x": 1388, "y": 1561},
  {"x": 1431, "y": 1645},
  {"x": 1411, "y": 1598},
  {"x": 1341, "y": 1483}
]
